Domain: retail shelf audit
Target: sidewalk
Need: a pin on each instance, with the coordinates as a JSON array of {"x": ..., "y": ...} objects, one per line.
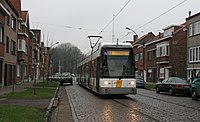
[
  {"x": 62, "y": 112},
  {"x": 17, "y": 88}
]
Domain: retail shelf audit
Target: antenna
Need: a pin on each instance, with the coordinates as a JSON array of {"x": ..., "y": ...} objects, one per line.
[
  {"x": 113, "y": 29},
  {"x": 117, "y": 41}
]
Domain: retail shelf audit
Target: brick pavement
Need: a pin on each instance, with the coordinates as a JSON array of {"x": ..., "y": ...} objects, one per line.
[{"x": 62, "y": 112}]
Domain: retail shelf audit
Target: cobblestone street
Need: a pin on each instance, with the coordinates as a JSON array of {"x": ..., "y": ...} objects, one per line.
[{"x": 146, "y": 106}]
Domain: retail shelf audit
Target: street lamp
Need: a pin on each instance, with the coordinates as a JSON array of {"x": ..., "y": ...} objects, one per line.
[
  {"x": 134, "y": 36},
  {"x": 54, "y": 44}
]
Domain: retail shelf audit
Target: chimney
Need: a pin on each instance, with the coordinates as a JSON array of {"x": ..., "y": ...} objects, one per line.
[
  {"x": 189, "y": 13},
  {"x": 159, "y": 35},
  {"x": 135, "y": 37}
]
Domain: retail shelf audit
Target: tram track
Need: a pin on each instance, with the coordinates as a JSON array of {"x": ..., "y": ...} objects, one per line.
[
  {"x": 146, "y": 115},
  {"x": 167, "y": 101},
  {"x": 142, "y": 107}
]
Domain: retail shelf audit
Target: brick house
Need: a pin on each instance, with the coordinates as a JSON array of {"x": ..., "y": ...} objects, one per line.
[
  {"x": 139, "y": 52},
  {"x": 10, "y": 39},
  {"x": 23, "y": 48},
  {"x": 193, "y": 45},
  {"x": 36, "y": 53},
  {"x": 165, "y": 56},
  {"x": 4, "y": 13}
]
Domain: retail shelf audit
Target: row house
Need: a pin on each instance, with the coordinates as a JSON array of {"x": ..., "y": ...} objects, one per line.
[
  {"x": 3, "y": 15},
  {"x": 8, "y": 42},
  {"x": 193, "y": 45},
  {"x": 28, "y": 47},
  {"x": 166, "y": 55},
  {"x": 19, "y": 45},
  {"x": 45, "y": 62},
  {"x": 36, "y": 52},
  {"x": 139, "y": 52},
  {"x": 23, "y": 46}
]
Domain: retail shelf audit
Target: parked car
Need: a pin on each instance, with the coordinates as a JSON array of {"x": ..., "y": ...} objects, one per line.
[
  {"x": 195, "y": 89},
  {"x": 53, "y": 77},
  {"x": 66, "y": 78},
  {"x": 139, "y": 81},
  {"x": 173, "y": 85}
]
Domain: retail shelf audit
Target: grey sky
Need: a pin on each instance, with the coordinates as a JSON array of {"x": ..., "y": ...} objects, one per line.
[{"x": 61, "y": 20}]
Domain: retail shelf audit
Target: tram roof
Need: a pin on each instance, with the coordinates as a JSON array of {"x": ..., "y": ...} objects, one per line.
[
  {"x": 114, "y": 44},
  {"x": 109, "y": 44}
]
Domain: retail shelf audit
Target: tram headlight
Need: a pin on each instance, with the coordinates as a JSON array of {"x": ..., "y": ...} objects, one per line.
[
  {"x": 106, "y": 82},
  {"x": 132, "y": 82}
]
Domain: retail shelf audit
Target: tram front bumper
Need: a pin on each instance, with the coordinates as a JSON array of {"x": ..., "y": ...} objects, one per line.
[{"x": 122, "y": 91}]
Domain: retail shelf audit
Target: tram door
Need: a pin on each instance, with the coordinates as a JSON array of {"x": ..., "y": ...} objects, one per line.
[{"x": 98, "y": 71}]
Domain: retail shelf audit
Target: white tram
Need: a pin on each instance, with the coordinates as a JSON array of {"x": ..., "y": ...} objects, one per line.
[{"x": 109, "y": 69}]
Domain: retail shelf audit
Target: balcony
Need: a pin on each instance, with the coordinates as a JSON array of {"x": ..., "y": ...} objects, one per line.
[
  {"x": 21, "y": 56},
  {"x": 163, "y": 60}
]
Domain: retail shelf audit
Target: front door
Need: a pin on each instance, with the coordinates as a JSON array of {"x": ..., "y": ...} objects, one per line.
[{"x": 166, "y": 73}]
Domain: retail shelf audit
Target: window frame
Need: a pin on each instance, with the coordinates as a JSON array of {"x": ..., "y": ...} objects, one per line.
[
  {"x": 197, "y": 28},
  {"x": 194, "y": 54}
]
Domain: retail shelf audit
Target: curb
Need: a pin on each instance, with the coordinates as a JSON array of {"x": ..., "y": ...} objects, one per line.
[{"x": 51, "y": 104}]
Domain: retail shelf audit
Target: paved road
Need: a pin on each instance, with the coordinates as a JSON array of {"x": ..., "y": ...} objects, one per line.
[{"x": 146, "y": 106}]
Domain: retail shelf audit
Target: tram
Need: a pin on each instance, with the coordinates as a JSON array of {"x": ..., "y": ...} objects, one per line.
[{"x": 109, "y": 69}]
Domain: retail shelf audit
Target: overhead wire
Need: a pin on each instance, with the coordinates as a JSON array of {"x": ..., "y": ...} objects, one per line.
[
  {"x": 114, "y": 17},
  {"x": 161, "y": 15}
]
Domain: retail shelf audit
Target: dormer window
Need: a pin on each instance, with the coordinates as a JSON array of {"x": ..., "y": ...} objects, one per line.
[{"x": 168, "y": 32}]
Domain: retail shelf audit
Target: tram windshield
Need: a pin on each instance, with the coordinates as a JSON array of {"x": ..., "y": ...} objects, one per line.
[{"x": 117, "y": 63}]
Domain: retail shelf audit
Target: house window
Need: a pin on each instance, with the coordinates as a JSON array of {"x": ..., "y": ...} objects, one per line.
[
  {"x": 141, "y": 56},
  {"x": 194, "y": 54},
  {"x": 13, "y": 23},
  {"x": 162, "y": 73},
  {"x": 168, "y": 32},
  {"x": 149, "y": 73},
  {"x": 190, "y": 30},
  {"x": 13, "y": 47},
  {"x": 150, "y": 55},
  {"x": 21, "y": 45},
  {"x": 163, "y": 50},
  {"x": 1, "y": 34},
  {"x": 136, "y": 57},
  {"x": 196, "y": 27},
  {"x": 197, "y": 54},
  {"x": 7, "y": 44}
]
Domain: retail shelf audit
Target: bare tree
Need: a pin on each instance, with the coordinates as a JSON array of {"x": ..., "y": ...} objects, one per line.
[{"x": 68, "y": 56}]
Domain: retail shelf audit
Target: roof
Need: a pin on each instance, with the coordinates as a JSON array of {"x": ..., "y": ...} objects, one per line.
[
  {"x": 24, "y": 15},
  {"x": 144, "y": 39},
  {"x": 17, "y": 5},
  {"x": 193, "y": 16}
]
